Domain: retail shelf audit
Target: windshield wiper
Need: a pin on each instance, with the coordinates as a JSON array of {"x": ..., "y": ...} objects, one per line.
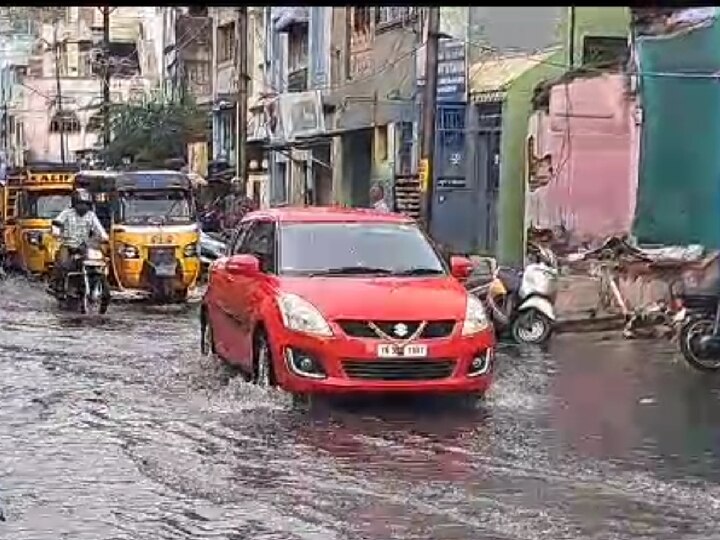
[
  {"x": 419, "y": 271},
  {"x": 351, "y": 270}
]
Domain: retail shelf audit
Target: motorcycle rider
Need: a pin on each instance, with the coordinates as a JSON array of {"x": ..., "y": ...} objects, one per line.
[{"x": 77, "y": 225}]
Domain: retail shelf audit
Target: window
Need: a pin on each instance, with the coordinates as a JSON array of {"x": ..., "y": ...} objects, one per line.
[
  {"x": 361, "y": 20},
  {"x": 85, "y": 59},
  {"x": 391, "y": 15},
  {"x": 44, "y": 205},
  {"x": 95, "y": 123},
  {"x": 260, "y": 241},
  {"x": 390, "y": 248},
  {"x": 61, "y": 59},
  {"x": 405, "y": 145},
  {"x": 604, "y": 51},
  {"x": 149, "y": 207},
  {"x": 360, "y": 54},
  {"x": 198, "y": 73},
  {"x": 297, "y": 47},
  {"x": 226, "y": 42},
  {"x": 65, "y": 122},
  {"x": 198, "y": 11}
]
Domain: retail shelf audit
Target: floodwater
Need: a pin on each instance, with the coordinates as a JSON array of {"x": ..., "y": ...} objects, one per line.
[{"x": 118, "y": 430}]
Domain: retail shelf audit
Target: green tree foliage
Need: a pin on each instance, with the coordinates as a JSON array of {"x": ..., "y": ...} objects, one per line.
[{"x": 153, "y": 132}]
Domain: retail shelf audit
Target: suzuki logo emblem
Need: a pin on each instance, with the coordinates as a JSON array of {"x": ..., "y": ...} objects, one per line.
[{"x": 400, "y": 330}]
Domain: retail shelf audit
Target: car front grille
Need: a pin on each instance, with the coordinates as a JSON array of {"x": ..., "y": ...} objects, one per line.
[
  {"x": 397, "y": 369},
  {"x": 364, "y": 329}
]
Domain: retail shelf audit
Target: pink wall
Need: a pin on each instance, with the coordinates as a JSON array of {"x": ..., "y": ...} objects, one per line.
[{"x": 592, "y": 139}]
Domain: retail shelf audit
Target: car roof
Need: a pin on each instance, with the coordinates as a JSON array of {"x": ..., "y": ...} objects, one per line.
[{"x": 327, "y": 214}]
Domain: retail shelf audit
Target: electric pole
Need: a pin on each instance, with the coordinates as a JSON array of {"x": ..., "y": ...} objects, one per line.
[
  {"x": 428, "y": 115},
  {"x": 242, "y": 96},
  {"x": 58, "y": 91},
  {"x": 106, "y": 76}
]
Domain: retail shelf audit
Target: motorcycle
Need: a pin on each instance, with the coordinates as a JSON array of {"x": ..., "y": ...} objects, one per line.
[
  {"x": 85, "y": 286},
  {"x": 521, "y": 302},
  {"x": 699, "y": 334}
]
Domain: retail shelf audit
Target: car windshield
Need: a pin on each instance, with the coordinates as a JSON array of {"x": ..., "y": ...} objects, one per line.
[
  {"x": 155, "y": 207},
  {"x": 44, "y": 205},
  {"x": 356, "y": 249}
]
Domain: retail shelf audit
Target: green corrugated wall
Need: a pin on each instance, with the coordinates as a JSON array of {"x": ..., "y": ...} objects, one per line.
[{"x": 678, "y": 199}]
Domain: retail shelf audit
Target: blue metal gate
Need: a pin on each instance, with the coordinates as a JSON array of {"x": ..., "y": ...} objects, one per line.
[{"x": 453, "y": 222}]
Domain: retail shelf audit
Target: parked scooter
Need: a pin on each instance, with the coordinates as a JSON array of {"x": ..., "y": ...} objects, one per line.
[
  {"x": 521, "y": 302},
  {"x": 699, "y": 334}
]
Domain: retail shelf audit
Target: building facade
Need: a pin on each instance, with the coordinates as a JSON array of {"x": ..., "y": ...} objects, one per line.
[{"x": 56, "y": 96}]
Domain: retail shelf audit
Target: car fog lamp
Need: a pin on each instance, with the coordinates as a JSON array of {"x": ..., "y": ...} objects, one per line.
[
  {"x": 481, "y": 364},
  {"x": 303, "y": 364}
]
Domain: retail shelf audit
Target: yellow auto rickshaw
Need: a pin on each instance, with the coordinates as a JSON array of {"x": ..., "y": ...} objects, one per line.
[
  {"x": 32, "y": 198},
  {"x": 154, "y": 235}
]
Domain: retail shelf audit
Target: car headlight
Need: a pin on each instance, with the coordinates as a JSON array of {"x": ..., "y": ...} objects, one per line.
[
  {"x": 126, "y": 251},
  {"x": 300, "y": 315},
  {"x": 190, "y": 250},
  {"x": 475, "y": 318}
]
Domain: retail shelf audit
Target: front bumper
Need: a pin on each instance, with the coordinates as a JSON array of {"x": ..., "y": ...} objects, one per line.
[{"x": 331, "y": 353}]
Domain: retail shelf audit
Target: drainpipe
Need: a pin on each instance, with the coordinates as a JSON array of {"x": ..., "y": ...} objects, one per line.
[{"x": 571, "y": 37}]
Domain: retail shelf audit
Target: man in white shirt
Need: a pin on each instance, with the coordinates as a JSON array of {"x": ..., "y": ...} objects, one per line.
[{"x": 377, "y": 198}]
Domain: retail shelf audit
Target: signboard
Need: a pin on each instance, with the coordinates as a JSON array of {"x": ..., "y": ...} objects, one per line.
[
  {"x": 451, "y": 81},
  {"x": 301, "y": 114},
  {"x": 54, "y": 178},
  {"x": 198, "y": 158},
  {"x": 452, "y": 72},
  {"x": 423, "y": 173}
]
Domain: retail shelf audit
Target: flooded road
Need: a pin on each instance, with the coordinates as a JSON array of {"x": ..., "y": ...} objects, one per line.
[{"x": 119, "y": 430}]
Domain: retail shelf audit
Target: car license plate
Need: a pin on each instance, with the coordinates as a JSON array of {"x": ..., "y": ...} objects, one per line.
[{"x": 390, "y": 350}]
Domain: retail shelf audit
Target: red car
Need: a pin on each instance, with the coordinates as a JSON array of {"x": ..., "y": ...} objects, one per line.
[{"x": 332, "y": 300}]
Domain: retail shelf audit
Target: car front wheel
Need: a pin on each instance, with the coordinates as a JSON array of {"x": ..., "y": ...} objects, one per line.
[
  {"x": 263, "y": 374},
  {"x": 207, "y": 340}
]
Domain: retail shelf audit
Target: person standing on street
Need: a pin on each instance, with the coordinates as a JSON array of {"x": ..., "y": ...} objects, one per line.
[
  {"x": 235, "y": 205},
  {"x": 377, "y": 198}
]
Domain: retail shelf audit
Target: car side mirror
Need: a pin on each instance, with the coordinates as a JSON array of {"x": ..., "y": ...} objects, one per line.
[
  {"x": 460, "y": 267},
  {"x": 243, "y": 265}
]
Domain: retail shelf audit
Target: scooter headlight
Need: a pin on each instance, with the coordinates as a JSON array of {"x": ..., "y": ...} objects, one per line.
[
  {"x": 126, "y": 251},
  {"x": 475, "y": 317},
  {"x": 190, "y": 250}
]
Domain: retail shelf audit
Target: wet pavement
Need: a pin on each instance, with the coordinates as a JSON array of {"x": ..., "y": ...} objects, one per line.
[{"x": 119, "y": 430}]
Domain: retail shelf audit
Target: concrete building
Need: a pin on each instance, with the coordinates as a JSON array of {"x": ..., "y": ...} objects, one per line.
[
  {"x": 341, "y": 80},
  {"x": 583, "y": 165},
  {"x": 187, "y": 45},
  {"x": 66, "y": 63}
]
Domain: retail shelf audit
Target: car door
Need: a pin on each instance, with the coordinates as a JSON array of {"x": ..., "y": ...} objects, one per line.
[
  {"x": 248, "y": 292},
  {"x": 223, "y": 287}
]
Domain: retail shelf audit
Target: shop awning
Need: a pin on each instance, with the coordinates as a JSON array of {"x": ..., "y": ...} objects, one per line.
[
  {"x": 493, "y": 76},
  {"x": 287, "y": 16}
]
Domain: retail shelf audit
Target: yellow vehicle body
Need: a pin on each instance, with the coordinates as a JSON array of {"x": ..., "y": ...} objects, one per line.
[
  {"x": 131, "y": 273},
  {"x": 31, "y": 200},
  {"x": 134, "y": 208}
]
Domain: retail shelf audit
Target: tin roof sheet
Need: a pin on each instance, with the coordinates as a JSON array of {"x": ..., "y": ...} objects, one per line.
[{"x": 496, "y": 74}]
